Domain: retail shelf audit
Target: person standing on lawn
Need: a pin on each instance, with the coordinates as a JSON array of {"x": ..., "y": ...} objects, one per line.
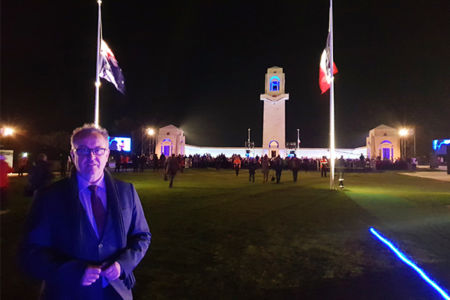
[
  {"x": 278, "y": 166},
  {"x": 323, "y": 166},
  {"x": 295, "y": 166},
  {"x": 252, "y": 166},
  {"x": 237, "y": 164},
  {"x": 265, "y": 166},
  {"x": 172, "y": 168},
  {"x": 40, "y": 175}
]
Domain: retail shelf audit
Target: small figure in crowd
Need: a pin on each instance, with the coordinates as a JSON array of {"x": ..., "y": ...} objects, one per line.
[
  {"x": 295, "y": 166},
  {"x": 252, "y": 166},
  {"x": 182, "y": 162},
  {"x": 340, "y": 166},
  {"x": 265, "y": 166},
  {"x": 124, "y": 162},
  {"x": 117, "y": 161},
  {"x": 23, "y": 164},
  {"x": 142, "y": 162},
  {"x": 40, "y": 175},
  {"x": 237, "y": 164},
  {"x": 135, "y": 162},
  {"x": 172, "y": 168},
  {"x": 155, "y": 162},
  {"x": 4, "y": 183},
  {"x": 162, "y": 161},
  {"x": 323, "y": 166},
  {"x": 278, "y": 166}
]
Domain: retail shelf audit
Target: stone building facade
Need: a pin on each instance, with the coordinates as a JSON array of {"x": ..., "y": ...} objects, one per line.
[
  {"x": 170, "y": 140},
  {"x": 384, "y": 142}
]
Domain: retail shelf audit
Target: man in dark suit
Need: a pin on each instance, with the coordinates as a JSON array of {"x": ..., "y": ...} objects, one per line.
[{"x": 85, "y": 234}]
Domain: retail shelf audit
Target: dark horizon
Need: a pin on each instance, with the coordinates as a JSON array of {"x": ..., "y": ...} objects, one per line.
[{"x": 201, "y": 66}]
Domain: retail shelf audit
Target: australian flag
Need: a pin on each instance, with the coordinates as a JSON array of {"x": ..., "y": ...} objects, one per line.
[{"x": 109, "y": 68}]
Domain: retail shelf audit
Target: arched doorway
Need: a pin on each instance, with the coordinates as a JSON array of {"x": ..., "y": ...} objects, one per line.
[
  {"x": 166, "y": 147},
  {"x": 274, "y": 84},
  {"x": 386, "y": 150},
  {"x": 273, "y": 148}
]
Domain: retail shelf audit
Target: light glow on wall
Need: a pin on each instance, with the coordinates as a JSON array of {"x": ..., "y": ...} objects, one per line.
[{"x": 410, "y": 263}]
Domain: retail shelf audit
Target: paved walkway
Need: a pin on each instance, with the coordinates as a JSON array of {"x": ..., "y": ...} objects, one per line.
[{"x": 437, "y": 175}]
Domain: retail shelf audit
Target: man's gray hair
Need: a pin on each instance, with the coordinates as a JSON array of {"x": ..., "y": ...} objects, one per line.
[{"x": 85, "y": 130}]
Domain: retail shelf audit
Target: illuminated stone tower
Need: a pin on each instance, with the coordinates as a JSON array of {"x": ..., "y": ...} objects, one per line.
[{"x": 274, "y": 123}]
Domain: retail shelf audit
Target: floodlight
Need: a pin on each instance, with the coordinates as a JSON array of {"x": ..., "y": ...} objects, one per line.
[
  {"x": 7, "y": 131},
  {"x": 150, "y": 131},
  {"x": 403, "y": 132}
]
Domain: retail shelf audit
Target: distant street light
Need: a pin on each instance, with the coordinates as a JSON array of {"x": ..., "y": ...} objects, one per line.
[
  {"x": 404, "y": 133},
  {"x": 7, "y": 131},
  {"x": 151, "y": 132}
]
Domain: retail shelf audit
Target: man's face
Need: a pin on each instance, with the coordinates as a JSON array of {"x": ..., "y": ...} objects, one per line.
[{"x": 90, "y": 165}]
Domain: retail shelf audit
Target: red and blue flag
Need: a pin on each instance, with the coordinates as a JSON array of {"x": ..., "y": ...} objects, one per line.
[
  {"x": 109, "y": 68},
  {"x": 325, "y": 68}
]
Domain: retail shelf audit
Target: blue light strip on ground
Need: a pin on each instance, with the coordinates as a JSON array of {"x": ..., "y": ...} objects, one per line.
[{"x": 410, "y": 263}]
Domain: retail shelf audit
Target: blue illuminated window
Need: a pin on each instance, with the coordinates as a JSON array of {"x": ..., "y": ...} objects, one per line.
[
  {"x": 274, "y": 83},
  {"x": 437, "y": 144}
]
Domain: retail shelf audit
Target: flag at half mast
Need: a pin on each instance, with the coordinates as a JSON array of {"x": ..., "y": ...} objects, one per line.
[
  {"x": 109, "y": 68},
  {"x": 325, "y": 68}
]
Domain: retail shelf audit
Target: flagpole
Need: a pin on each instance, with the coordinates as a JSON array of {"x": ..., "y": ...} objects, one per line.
[
  {"x": 332, "y": 137},
  {"x": 97, "y": 75}
]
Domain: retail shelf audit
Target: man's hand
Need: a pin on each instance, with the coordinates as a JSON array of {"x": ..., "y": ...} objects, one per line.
[
  {"x": 112, "y": 272},
  {"x": 91, "y": 274}
]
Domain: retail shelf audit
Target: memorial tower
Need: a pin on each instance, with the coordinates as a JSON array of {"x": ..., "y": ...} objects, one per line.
[{"x": 274, "y": 121}]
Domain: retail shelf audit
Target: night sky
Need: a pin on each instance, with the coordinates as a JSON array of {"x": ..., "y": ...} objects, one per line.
[{"x": 200, "y": 65}]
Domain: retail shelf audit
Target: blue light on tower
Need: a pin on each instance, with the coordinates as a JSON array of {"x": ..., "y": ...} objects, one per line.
[{"x": 274, "y": 83}]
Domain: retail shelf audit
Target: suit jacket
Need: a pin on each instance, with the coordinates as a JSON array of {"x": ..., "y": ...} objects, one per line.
[{"x": 60, "y": 241}]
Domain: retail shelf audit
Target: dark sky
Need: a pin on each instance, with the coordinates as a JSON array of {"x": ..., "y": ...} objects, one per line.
[{"x": 200, "y": 65}]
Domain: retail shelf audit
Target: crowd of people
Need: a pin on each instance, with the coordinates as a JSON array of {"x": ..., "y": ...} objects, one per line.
[
  {"x": 174, "y": 163},
  {"x": 40, "y": 171},
  {"x": 121, "y": 162}
]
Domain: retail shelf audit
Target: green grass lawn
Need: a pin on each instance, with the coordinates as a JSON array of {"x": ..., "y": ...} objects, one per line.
[{"x": 215, "y": 235}]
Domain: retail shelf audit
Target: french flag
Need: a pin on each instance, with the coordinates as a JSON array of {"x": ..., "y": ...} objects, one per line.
[
  {"x": 109, "y": 68},
  {"x": 325, "y": 69}
]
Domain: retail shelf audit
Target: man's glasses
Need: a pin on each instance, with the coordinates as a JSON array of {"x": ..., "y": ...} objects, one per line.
[{"x": 87, "y": 151}]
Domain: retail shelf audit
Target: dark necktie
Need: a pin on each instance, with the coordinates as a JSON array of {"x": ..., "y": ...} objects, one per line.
[{"x": 98, "y": 210}]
